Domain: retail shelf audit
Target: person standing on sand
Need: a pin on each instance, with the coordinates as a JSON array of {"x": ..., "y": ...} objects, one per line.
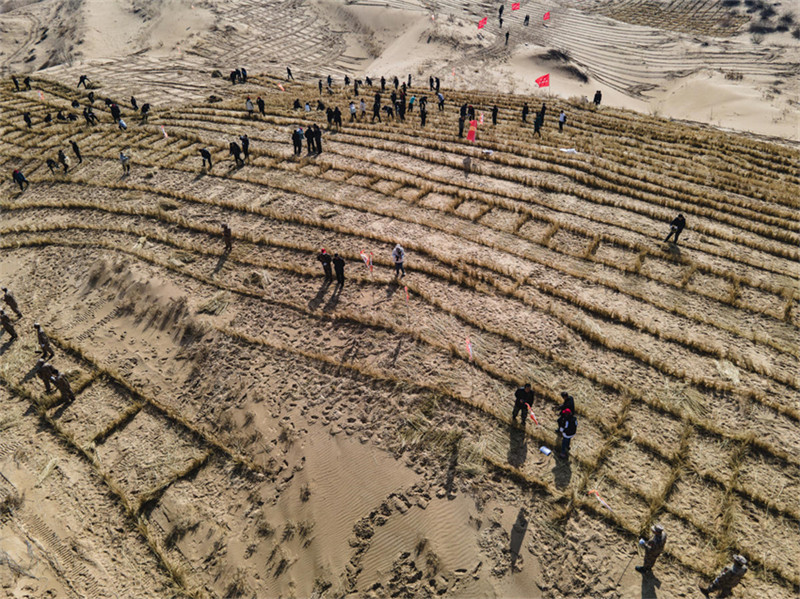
[
  {"x": 82, "y": 81},
  {"x": 206, "y": 155},
  {"x": 62, "y": 384},
  {"x": 652, "y": 548},
  {"x": 11, "y": 301},
  {"x": 310, "y": 140},
  {"x": 399, "y": 257},
  {"x": 15, "y": 81},
  {"x": 125, "y": 161},
  {"x": 537, "y": 125},
  {"x": 290, "y": 77},
  {"x": 598, "y": 96},
  {"x": 134, "y": 104},
  {"x": 562, "y": 120},
  {"x": 235, "y": 151},
  {"x": 338, "y": 266},
  {"x": 27, "y": 82},
  {"x": 567, "y": 426},
  {"x": 525, "y": 111},
  {"x": 522, "y": 397},
  {"x": 325, "y": 259},
  {"x": 227, "y": 236},
  {"x": 461, "y": 121},
  {"x": 297, "y": 140},
  {"x": 45, "y": 372},
  {"x": 423, "y": 115},
  {"x": 245, "y": 146},
  {"x": 260, "y": 104},
  {"x": 675, "y": 227},
  {"x": 363, "y": 109},
  {"x": 6, "y": 322},
  {"x": 337, "y": 118},
  {"x": 145, "y": 112},
  {"x": 26, "y": 116},
  {"x": 76, "y": 150},
  {"x": 62, "y": 159},
  {"x": 318, "y": 138},
  {"x": 44, "y": 342},
  {"x": 728, "y": 578},
  {"x": 52, "y": 165},
  {"x": 249, "y": 107},
  {"x": 20, "y": 179},
  {"x": 506, "y": 37},
  {"x": 494, "y": 115}
]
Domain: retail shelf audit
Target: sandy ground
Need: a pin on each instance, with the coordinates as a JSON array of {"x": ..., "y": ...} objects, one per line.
[
  {"x": 690, "y": 61},
  {"x": 243, "y": 429}
]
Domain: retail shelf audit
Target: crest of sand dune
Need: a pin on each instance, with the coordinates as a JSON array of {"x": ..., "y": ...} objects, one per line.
[{"x": 695, "y": 61}]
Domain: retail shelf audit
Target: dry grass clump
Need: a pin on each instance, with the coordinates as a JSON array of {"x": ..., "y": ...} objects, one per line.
[
  {"x": 9, "y": 503},
  {"x": 215, "y": 305}
]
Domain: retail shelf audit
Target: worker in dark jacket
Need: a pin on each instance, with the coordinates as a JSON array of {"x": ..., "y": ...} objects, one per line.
[
  {"x": 338, "y": 266},
  {"x": 675, "y": 227},
  {"x": 45, "y": 372},
  {"x": 567, "y": 426},
  {"x": 652, "y": 548},
  {"x": 325, "y": 259},
  {"x": 523, "y": 399},
  {"x": 568, "y": 403},
  {"x": 728, "y": 578}
]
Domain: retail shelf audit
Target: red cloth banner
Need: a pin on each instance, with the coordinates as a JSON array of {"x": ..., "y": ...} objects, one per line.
[
  {"x": 543, "y": 81},
  {"x": 547, "y": 16},
  {"x": 482, "y": 23},
  {"x": 515, "y": 6}
]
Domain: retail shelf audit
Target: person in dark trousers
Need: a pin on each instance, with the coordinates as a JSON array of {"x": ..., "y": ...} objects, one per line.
[
  {"x": 27, "y": 82},
  {"x": 501, "y": 22},
  {"x": 562, "y": 119},
  {"x": 245, "y": 146},
  {"x": 675, "y": 227},
  {"x": 506, "y": 36},
  {"x": 235, "y": 151},
  {"x": 125, "y": 161},
  {"x": 45, "y": 372},
  {"x": 542, "y": 111},
  {"x": 337, "y": 118},
  {"x": 568, "y": 403},
  {"x": 6, "y": 322},
  {"x": 598, "y": 96},
  {"x": 728, "y": 578},
  {"x": 11, "y": 301},
  {"x": 330, "y": 81},
  {"x": 145, "y": 112},
  {"x": 318, "y": 138},
  {"x": 243, "y": 75},
  {"x": 15, "y": 81},
  {"x": 396, "y": 82},
  {"x": 320, "y": 87},
  {"x": 26, "y": 116},
  {"x": 310, "y": 140},
  {"x": 90, "y": 96},
  {"x": 423, "y": 115},
  {"x": 289, "y": 76},
  {"x": 62, "y": 159},
  {"x": 440, "y": 98},
  {"x": 48, "y": 118},
  {"x": 62, "y": 384},
  {"x": 82, "y": 81},
  {"x": 399, "y": 257},
  {"x": 383, "y": 84},
  {"x": 76, "y": 150},
  {"x": 227, "y": 236},
  {"x": 326, "y": 260},
  {"x": 368, "y": 80},
  {"x": 206, "y": 156},
  {"x": 260, "y": 104},
  {"x": 523, "y": 399},
  {"x": 297, "y": 105},
  {"x": 297, "y": 140},
  {"x": 248, "y": 105},
  {"x": 338, "y": 266},
  {"x": 430, "y": 82},
  {"x": 355, "y": 87},
  {"x": 134, "y": 104},
  {"x": 437, "y": 85},
  {"x": 567, "y": 426},
  {"x": 461, "y": 121},
  {"x": 44, "y": 342},
  {"x": 501, "y": 10},
  {"x": 115, "y": 112},
  {"x": 652, "y": 548},
  {"x": 20, "y": 179},
  {"x": 52, "y": 165},
  {"x": 376, "y": 111},
  {"x": 527, "y": 20},
  {"x": 409, "y": 80},
  {"x": 537, "y": 125},
  {"x": 525, "y": 111},
  {"x": 494, "y": 115}
]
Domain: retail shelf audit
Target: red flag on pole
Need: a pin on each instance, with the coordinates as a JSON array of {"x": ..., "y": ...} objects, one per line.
[
  {"x": 547, "y": 16},
  {"x": 543, "y": 81},
  {"x": 482, "y": 23},
  {"x": 515, "y": 6},
  {"x": 406, "y": 288}
]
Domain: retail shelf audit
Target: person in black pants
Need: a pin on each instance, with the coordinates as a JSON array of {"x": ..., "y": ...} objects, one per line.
[
  {"x": 310, "y": 140},
  {"x": 206, "y": 155},
  {"x": 76, "y": 150},
  {"x": 318, "y": 138},
  {"x": 523, "y": 396},
  {"x": 675, "y": 227},
  {"x": 525, "y": 111},
  {"x": 567, "y": 426},
  {"x": 569, "y": 403},
  {"x": 326, "y": 260},
  {"x": 297, "y": 140},
  {"x": 245, "y": 146},
  {"x": 338, "y": 266},
  {"x": 494, "y": 115},
  {"x": 461, "y": 126}
]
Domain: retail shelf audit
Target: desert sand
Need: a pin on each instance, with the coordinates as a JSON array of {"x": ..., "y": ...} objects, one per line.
[{"x": 243, "y": 428}]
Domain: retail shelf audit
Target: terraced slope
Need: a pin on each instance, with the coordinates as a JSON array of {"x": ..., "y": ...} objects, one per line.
[{"x": 682, "y": 358}]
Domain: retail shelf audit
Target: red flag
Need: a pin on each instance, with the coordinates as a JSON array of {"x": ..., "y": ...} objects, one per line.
[
  {"x": 547, "y": 16},
  {"x": 482, "y": 23},
  {"x": 473, "y": 128},
  {"x": 406, "y": 288},
  {"x": 515, "y": 6},
  {"x": 543, "y": 81}
]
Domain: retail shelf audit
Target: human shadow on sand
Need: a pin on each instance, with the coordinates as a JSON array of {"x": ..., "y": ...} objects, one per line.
[
  {"x": 518, "y": 531},
  {"x": 517, "y": 445}
]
